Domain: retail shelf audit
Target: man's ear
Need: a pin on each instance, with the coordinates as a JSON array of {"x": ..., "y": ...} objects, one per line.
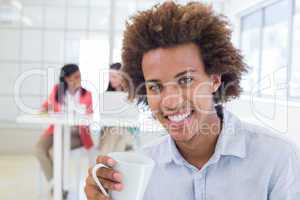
[{"x": 216, "y": 82}]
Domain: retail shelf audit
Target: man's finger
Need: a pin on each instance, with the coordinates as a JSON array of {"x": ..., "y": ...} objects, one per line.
[
  {"x": 102, "y": 197},
  {"x": 90, "y": 181},
  {"x": 107, "y": 173},
  {"x": 92, "y": 193},
  {"x": 107, "y": 184},
  {"x": 111, "y": 185},
  {"x": 106, "y": 160}
]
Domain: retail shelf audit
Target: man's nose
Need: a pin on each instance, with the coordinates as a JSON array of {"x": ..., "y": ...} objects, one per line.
[{"x": 172, "y": 98}]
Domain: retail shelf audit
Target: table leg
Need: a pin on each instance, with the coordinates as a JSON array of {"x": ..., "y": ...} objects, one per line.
[
  {"x": 57, "y": 146},
  {"x": 66, "y": 158}
]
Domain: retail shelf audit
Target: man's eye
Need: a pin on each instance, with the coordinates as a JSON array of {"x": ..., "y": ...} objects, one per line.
[
  {"x": 185, "y": 81},
  {"x": 154, "y": 88}
]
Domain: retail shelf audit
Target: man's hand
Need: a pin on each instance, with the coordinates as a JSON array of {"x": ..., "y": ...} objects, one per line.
[{"x": 110, "y": 179}]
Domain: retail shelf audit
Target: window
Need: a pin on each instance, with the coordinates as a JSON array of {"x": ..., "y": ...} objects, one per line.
[
  {"x": 94, "y": 65},
  {"x": 94, "y": 61},
  {"x": 146, "y": 4},
  {"x": 275, "y": 45},
  {"x": 251, "y": 34},
  {"x": 295, "y": 69},
  {"x": 123, "y": 10},
  {"x": 266, "y": 41},
  {"x": 117, "y": 50}
]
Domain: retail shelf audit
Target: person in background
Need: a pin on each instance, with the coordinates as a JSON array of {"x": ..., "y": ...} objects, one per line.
[
  {"x": 116, "y": 82},
  {"x": 66, "y": 96},
  {"x": 116, "y": 138}
]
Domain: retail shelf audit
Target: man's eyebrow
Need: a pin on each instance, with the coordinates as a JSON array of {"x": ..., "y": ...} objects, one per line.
[
  {"x": 184, "y": 72},
  {"x": 152, "y": 81},
  {"x": 176, "y": 76}
]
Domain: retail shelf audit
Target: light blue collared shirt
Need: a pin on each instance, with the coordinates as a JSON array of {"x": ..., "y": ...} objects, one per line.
[{"x": 249, "y": 163}]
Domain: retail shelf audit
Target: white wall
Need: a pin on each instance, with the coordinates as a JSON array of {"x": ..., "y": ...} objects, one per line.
[
  {"x": 46, "y": 35},
  {"x": 280, "y": 116}
]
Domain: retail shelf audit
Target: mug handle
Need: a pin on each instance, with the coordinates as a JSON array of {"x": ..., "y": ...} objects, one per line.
[{"x": 96, "y": 179}]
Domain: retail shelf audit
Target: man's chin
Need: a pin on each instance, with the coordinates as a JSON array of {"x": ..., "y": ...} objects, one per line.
[{"x": 180, "y": 136}]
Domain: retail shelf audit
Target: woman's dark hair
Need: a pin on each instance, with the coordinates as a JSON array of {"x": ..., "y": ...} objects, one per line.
[
  {"x": 114, "y": 66},
  {"x": 170, "y": 24},
  {"x": 66, "y": 71}
]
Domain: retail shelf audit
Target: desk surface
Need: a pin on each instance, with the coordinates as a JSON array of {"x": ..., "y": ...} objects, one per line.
[
  {"x": 146, "y": 125},
  {"x": 88, "y": 120},
  {"x": 59, "y": 119}
]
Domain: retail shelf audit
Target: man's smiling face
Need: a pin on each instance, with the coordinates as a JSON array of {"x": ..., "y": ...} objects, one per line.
[{"x": 179, "y": 91}]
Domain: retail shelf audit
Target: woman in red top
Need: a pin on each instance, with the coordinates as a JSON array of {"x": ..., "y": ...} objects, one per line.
[{"x": 68, "y": 93}]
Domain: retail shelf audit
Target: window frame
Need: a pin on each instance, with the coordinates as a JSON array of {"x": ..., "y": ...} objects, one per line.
[{"x": 261, "y": 6}]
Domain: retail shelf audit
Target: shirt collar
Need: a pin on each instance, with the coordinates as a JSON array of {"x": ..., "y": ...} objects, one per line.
[
  {"x": 77, "y": 93},
  {"x": 232, "y": 139},
  {"x": 231, "y": 142}
]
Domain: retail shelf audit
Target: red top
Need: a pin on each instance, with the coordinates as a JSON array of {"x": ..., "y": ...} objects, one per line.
[{"x": 85, "y": 99}]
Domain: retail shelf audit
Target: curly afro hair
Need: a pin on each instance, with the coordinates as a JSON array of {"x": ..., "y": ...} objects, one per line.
[{"x": 170, "y": 24}]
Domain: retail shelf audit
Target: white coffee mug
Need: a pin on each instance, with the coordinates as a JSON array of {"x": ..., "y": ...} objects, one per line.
[{"x": 136, "y": 170}]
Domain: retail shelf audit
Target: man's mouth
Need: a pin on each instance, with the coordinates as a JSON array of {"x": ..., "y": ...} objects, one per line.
[{"x": 180, "y": 117}]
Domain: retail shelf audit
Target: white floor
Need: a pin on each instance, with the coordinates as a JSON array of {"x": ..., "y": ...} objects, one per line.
[
  {"x": 21, "y": 178},
  {"x": 20, "y": 173}
]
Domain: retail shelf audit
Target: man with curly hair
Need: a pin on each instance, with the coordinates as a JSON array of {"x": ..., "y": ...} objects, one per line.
[{"x": 183, "y": 65}]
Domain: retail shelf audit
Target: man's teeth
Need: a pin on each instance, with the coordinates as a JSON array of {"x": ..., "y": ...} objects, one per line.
[{"x": 178, "y": 118}]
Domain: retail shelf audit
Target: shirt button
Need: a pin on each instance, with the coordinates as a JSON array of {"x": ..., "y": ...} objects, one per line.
[{"x": 198, "y": 176}]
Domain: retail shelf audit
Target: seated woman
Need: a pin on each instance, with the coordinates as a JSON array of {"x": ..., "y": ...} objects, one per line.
[
  {"x": 116, "y": 138},
  {"x": 67, "y": 95}
]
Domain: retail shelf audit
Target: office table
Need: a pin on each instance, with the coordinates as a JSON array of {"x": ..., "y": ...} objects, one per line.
[
  {"x": 61, "y": 144},
  {"x": 61, "y": 149}
]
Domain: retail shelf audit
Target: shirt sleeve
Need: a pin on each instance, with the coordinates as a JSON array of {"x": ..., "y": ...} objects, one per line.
[
  {"x": 287, "y": 183},
  {"x": 48, "y": 104},
  {"x": 90, "y": 104}
]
